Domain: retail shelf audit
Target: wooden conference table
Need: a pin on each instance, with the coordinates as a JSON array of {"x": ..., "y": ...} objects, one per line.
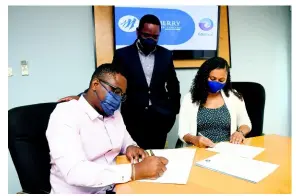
[{"x": 201, "y": 180}]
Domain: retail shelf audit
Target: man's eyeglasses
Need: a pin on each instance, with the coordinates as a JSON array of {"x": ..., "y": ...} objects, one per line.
[{"x": 114, "y": 89}]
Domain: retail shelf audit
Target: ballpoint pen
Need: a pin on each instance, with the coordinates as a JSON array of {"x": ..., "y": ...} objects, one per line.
[
  {"x": 204, "y": 137},
  {"x": 200, "y": 134}
]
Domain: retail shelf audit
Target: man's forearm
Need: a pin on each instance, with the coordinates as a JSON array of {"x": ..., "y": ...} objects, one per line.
[{"x": 90, "y": 174}]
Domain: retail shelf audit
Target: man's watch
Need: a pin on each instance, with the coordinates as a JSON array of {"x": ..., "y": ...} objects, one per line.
[{"x": 240, "y": 131}]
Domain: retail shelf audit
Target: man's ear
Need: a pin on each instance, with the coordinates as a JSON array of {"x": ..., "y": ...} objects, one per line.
[{"x": 94, "y": 84}]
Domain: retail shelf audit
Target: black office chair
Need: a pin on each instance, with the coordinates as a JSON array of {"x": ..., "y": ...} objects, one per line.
[
  {"x": 254, "y": 97},
  {"x": 28, "y": 146}
]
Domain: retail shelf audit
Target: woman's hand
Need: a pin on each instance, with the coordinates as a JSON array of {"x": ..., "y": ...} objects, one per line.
[
  {"x": 237, "y": 138},
  {"x": 199, "y": 141},
  {"x": 203, "y": 142}
]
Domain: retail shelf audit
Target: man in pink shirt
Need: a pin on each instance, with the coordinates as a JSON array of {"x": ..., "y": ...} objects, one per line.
[{"x": 86, "y": 135}]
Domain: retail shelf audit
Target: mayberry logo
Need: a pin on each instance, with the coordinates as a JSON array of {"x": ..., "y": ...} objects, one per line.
[
  {"x": 128, "y": 23},
  {"x": 206, "y": 24},
  {"x": 177, "y": 26}
]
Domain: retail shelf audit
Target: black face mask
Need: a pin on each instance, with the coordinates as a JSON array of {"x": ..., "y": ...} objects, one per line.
[{"x": 147, "y": 45}]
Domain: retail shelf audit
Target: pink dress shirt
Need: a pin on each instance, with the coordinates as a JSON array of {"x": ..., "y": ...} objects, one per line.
[{"x": 83, "y": 146}]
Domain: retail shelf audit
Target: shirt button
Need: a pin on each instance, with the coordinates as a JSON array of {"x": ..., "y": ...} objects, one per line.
[
  {"x": 146, "y": 108},
  {"x": 148, "y": 92}
]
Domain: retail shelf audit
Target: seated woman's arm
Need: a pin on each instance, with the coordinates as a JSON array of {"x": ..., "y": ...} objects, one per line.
[
  {"x": 184, "y": 126},
  {"x": 184, "y": 122},
  {"x": 243, "y": 122}
]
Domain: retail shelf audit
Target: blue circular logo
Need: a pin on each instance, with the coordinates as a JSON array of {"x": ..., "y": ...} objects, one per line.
[
  {"x": 206, "y": 24},
  {"x": 128, "y": 23}
]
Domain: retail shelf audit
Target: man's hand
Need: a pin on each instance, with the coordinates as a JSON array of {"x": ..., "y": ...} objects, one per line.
[
  {"x": 150, "y": 168},
  {"x": 68, "y": 98},
  {"x": 134, "y": 153},
  {"x": 237, "y": 138}
]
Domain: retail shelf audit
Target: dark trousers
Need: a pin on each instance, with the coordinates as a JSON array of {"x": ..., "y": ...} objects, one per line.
[{"x": 149, "y": 128}]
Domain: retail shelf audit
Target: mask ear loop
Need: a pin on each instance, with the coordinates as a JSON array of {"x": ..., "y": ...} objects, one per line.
[{"x": 97, "y": 95}]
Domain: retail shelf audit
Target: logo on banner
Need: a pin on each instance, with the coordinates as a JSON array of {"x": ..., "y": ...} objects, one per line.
[
  {"x": 206, "y": 24},
  {"x": 171, "y": 25},
  {"x": 177, "y": 26},
  {"x": 128, "y": 23}
]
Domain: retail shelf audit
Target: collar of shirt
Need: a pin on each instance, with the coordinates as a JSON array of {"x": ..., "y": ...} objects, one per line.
[
  {"x": 88, "y": 109},
  {"x": 139, "y": 49}
]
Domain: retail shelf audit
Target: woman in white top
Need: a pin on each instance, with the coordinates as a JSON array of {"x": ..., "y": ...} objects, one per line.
[{"x": 213, "y": 112}]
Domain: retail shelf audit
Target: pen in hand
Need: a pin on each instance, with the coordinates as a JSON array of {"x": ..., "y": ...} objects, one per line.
[
  {"x": 210, "y": 144},
  {"x": 201, "y": 134}
]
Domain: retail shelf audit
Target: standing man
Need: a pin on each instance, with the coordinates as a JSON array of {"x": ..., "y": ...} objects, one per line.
[{"x": 153, "y": 91}]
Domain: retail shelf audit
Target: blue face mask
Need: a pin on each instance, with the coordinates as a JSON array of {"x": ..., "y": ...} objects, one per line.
[
  {"x": 215, "y": 87},
  {"x": 148, "y": 44},
  {"x": 111, "y": 103}
]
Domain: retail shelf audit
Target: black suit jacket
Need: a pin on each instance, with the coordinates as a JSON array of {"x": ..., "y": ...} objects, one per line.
[{"x": 164, "y": 89}]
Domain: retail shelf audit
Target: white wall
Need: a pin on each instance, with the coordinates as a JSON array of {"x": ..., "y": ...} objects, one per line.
[
  {"x": 58, "y": 43},
  {"x": 261, "y": 52},
  {"x": 260, "y": 38}
]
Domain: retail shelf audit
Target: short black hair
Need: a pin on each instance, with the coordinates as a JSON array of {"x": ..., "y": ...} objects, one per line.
[
  {"x": 103, "y": 70},
  {"x": 199, "y": 88},
  {"x": 151, "y": 19}
]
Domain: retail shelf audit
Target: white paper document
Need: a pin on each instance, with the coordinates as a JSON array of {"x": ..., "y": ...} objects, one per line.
[
  {"x": 243, "y": 168},
  {"x": 179, "y": 165},
  {"x": 237, "y": 149}
]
